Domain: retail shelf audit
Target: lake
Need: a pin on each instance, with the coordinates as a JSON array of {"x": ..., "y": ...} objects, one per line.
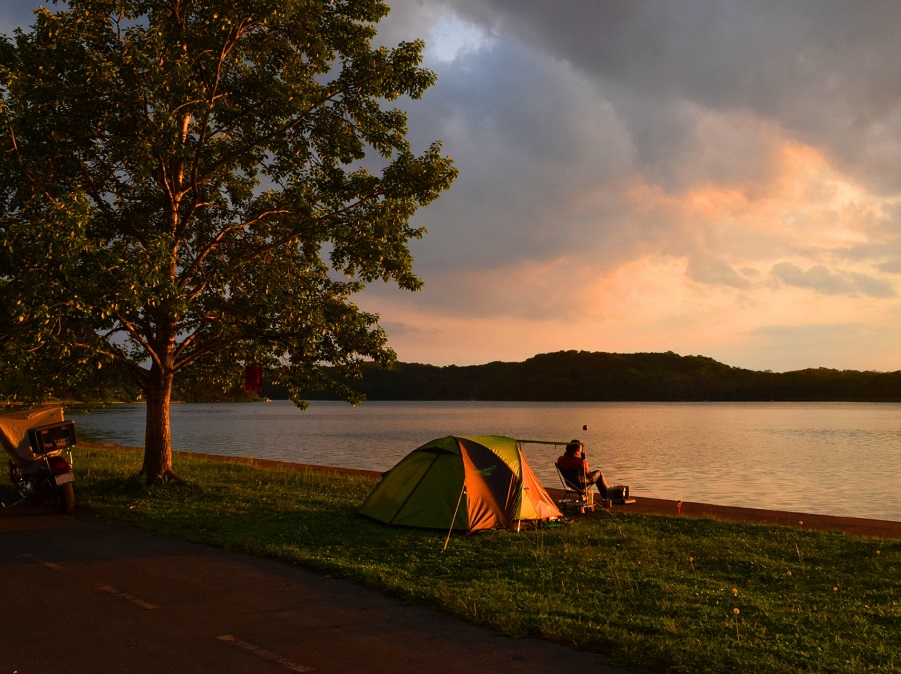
[{"x": 827, "y": 458}]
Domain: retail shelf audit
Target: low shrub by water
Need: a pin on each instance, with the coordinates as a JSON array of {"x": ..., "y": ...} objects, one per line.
[{"x": 697, "y": 595}]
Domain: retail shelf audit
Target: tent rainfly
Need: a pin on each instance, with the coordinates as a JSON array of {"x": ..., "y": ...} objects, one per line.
[{"x": 466, "y": 484}]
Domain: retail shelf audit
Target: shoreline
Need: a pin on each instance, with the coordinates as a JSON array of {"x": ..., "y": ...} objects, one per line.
[{"x": 643, "y": 505}]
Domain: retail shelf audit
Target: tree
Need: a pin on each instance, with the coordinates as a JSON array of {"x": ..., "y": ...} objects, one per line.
[{"x": 191, "y": 186}]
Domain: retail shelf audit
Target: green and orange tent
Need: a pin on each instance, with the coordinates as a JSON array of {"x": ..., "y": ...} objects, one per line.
[{"x": 462, "y": 483}]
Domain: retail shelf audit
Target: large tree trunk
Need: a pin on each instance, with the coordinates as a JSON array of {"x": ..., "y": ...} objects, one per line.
[{"x": 157, "y": 436}]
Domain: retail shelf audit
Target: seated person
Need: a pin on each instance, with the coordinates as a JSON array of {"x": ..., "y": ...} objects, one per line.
[{"x": 573, "y": 461}]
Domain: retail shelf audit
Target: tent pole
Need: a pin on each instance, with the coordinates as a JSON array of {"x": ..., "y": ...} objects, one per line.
[
  {"x": 454, "y": 518},
  {"x": 545, "y": 442}
]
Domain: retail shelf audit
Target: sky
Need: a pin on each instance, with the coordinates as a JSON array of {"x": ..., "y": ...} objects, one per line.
[{"x": 712, "y": 178}]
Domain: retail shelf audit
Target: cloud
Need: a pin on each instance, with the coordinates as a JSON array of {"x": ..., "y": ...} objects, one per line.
[
  {"x": 872, "y": 287},
  {"x": 557, "y": 145},
  {"x": 399, "y": 329},
  {"x": 892, "y": 264},
  {"x": 713, "y": 271},
  {"x": 882, "y": 244},
  {"x": 540, "y": 155},
  {"x": 707, "y": 176},
  {"x": 822, "y": 280},
  {"x": 824, "y": 70}
]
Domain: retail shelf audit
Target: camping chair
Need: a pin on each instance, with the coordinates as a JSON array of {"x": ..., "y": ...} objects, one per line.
[{"x": 576, "y": 494}]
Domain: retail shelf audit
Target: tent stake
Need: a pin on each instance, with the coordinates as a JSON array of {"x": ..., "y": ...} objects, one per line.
[{"x": 454, "y": 518}]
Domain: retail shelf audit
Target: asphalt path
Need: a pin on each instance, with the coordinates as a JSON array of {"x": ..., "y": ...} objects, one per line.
[
  {"x": 85, "y": 596},
  {"x": 79, "y": 594}
]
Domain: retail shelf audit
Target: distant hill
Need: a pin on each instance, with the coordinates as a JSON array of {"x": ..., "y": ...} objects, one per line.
[{"x": 597, "y": 376}]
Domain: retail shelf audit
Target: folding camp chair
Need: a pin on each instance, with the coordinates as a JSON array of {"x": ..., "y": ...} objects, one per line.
[{"x": 576, "y": 494}]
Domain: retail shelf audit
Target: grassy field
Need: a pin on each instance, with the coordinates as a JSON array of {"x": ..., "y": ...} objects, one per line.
[{"x": 697, "y": 595}]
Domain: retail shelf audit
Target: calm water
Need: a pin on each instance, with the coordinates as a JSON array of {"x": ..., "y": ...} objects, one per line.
[{"x": 839, "y": 459}]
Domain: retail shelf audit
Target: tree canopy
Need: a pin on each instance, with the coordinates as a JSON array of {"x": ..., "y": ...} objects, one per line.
[
  {"x": 191, "y": 186},
  {"x": 596, "y": 376}
]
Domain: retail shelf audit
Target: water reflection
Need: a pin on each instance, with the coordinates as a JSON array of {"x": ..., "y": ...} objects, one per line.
[{"x": 841, "y": 459}]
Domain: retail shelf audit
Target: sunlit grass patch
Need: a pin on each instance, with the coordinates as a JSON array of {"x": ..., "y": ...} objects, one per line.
[{"x": 644, "y": 589}]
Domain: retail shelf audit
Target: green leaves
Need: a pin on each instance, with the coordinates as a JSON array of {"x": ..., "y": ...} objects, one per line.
[{"x": 183, "y": 180}]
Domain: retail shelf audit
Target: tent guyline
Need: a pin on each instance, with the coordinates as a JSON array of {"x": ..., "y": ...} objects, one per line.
[{"x": 456, "y": 510}]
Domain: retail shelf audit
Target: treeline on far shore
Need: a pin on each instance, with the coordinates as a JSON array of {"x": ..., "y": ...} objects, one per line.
[{"x": 595, "y": 376}]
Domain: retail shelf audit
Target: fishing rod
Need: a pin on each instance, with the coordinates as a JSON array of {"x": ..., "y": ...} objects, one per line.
[{"x": 626, "y": 475}]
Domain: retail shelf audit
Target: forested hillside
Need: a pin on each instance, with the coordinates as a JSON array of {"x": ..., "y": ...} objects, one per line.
[{"x": 593, "y": 376}]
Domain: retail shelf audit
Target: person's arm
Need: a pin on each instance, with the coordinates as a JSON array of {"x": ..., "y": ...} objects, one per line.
[{"x": 585, "y": 463}]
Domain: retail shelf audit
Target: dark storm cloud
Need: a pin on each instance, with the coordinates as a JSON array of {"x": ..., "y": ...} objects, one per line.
[
  {"x": 825, "y": 70},
  {"x": 532, "y": 142},
  {"x": 546, "y": 139}
]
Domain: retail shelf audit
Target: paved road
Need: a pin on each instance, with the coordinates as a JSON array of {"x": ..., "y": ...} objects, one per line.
[{"x": 81, "y": 595}]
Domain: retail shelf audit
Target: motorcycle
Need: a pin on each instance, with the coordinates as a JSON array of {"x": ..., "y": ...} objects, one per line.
[{"x": 36, "y": 441}]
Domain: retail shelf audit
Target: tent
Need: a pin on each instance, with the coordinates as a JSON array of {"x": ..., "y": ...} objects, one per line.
[{"x": 463, "y": 483}]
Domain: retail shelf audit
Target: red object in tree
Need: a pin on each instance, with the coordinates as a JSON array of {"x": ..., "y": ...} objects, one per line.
[{"x": 253, "y": 379}]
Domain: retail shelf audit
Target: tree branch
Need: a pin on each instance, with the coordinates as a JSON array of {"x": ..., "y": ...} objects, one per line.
[
  {"x": 139, "y": 338},
  {"x": 31, "y": 177},
  {"x": 104, "y": 207},
  {"x": 214, "y": 243}
]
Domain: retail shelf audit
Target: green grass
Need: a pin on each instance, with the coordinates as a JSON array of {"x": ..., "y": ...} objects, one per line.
[{"x": 649, "y": 591}]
